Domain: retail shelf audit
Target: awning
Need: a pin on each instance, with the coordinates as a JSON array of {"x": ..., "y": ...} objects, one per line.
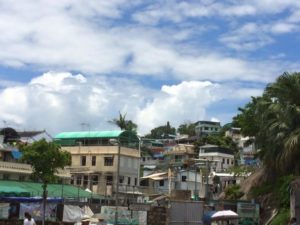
[
  {"x": 156, "y": 176},
  {"x": 13, "y": 191},
  {"x": 16, "y": 154},
  {"x": 36, "y": 190}
]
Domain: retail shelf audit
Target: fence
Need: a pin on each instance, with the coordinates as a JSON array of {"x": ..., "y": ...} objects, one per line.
[{"x": 186, "y": 213}]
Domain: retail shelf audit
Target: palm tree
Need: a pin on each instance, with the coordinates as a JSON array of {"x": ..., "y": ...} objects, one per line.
[
  {"x": 282, "y": 121},
  {"x": 124, "y": 124},
  {"x": 274, "y": 120}
]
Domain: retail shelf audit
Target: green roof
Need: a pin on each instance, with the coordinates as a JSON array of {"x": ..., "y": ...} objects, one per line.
[
  {"x": 89, "y": 134},
  {"x": 35, "y": 190}
]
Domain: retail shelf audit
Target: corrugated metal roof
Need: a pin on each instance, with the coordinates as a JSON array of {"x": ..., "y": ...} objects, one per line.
[{"x": 89, "y": 134}]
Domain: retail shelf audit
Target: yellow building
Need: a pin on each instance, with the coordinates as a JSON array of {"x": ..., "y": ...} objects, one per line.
[{"x": 95, "y": 159}]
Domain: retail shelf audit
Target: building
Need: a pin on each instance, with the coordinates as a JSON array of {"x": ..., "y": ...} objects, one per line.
[
  {"x": 204, "y": 128},
  {"x": 95, "y": 156},
  {"x": 180, "y": 153},
  {"x": 219, "y": 158},
  {"x": 10, "y": 166},
  {"x": 246, "y": 146}
]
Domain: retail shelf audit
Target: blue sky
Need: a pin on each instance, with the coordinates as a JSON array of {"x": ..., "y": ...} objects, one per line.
[{"x": 63, "y": 63}]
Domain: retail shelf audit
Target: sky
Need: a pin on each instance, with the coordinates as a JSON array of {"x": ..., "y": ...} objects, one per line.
[{"x": 73, "y": 65}]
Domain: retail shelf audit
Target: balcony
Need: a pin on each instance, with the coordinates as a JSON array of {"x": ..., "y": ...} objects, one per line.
[
  {"x": 11, "y": 167},
  {"x": 22, "y": 168}
]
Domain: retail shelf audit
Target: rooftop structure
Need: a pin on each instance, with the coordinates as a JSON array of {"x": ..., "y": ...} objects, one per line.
[{"x": 207, "y": 127}]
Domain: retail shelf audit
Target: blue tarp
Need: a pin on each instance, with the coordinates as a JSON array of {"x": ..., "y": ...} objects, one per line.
[{"x": 16, "y": 154}]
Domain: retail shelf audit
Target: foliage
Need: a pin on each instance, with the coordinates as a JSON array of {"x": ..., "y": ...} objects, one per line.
[
  {"x": 233, "y": 192},
  {"x": 274, "y": 120},
  {"x": 161, "y": 131},
  {"x": 124, "y": 124},
  {"x": 282, "y": 192},
  {"x": 45, "y": 158},
  {"x": 219, "y": 140},
  {"x": 279, "y": 191},
  {"x": 282, "y": 217},
  {"x": 187, "y": 128}
]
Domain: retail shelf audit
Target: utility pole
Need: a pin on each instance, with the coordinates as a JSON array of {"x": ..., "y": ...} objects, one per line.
[{"x": 117, "y": 183}]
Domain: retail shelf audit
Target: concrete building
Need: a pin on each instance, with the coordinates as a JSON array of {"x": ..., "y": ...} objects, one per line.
[
  {"x": 10, "y": 166},
  {"x": 220, "y": 158},
  {"x": 207, "y": 127},
  {"x": 95, "y": 159},
  {"x": 180, "y": 153}
]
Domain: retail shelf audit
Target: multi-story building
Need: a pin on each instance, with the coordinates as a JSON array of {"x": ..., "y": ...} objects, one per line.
[
  {"x": 10, "y": 166},
  {"x": 219, "y": 158},
  {"x": 95, "y": 158},
  {"x": 207, "y": 127},
  {"x": 180, "y": 153}
]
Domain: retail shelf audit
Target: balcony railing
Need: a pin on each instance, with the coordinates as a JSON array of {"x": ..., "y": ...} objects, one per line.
[{"x": 15, "y": 167}]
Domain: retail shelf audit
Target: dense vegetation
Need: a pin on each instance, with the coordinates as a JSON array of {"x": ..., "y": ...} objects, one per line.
[{"x": 274, "y": 120}]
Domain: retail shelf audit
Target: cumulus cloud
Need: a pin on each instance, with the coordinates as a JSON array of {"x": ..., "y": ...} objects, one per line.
[
  {"x": 61, "y": 101},
  {"x": 76, "y": 36}
]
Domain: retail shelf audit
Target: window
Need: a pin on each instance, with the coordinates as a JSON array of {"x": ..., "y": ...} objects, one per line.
[
  {"x": 108, "y": 161},
  {"x": 95, "y": 179},
  {"x": 121, "y": 179},
  {"x": 83, "y": 160},
  {"x": 161, "y": 183},
  {"x": 205, "y": 128},
  {"x": 128, "y": 180},
  {"x": 72, "y": 180},
  {"x": 93, "y": 160},
  {"x": 78, "y": 180},
  {"x": 183, "y": 178},
  {"x": 223, "y": 160},
  {"x": 228, "y": 161},
  {"x": 5, "y": 176},
  {"x": 135, "y": 181},
  {"x": 109, "y": 180},
  {"x": 85, "y": 180}
]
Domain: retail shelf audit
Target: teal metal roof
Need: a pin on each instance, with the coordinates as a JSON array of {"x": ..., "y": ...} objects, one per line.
[{"x": 89, "y": 134}]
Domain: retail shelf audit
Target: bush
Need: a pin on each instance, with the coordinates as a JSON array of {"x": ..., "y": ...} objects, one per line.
[
  {"x": 282, "y": 217},
  {"x": 233, "y": 192}
]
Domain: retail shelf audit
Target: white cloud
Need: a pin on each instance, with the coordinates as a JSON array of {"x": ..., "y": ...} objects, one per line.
[
  {"x": 62, "y": 101},
  {"x": 74, "y": 36}
]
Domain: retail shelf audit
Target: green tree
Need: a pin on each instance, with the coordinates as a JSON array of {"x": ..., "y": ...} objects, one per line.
[
  {"x": 274, "y": 120},
  {"x": 162, "y": 131},
  {"x": 187, "y": 128},
  {"x": 45, "y": 158},
  {"x": 124, "y": 124},
  {"x": 219, "y": 140}
]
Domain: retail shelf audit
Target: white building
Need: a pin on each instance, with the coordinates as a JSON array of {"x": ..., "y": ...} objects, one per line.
[{"x": 219, "y": 158}]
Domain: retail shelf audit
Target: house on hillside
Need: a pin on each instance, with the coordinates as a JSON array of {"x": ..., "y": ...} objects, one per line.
[
  {"x": 95, "y": 156},
  {"x": 10, "y": 166},
  {"x": 219, "y": 158},
  {"x": 204, "y": 128}
]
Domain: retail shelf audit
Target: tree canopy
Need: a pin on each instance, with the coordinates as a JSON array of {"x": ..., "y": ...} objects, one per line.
[
  {"x": 274, "y": 120},
  {"x": 187, "y": 128},
  {"x": 162, "y": 131},
  {"x": 45, "y": 158}
]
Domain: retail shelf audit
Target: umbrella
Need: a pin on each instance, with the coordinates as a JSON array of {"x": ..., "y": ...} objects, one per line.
[
  {"x": 100, "y": 216},
  {"x": 224, "y": 214}
]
